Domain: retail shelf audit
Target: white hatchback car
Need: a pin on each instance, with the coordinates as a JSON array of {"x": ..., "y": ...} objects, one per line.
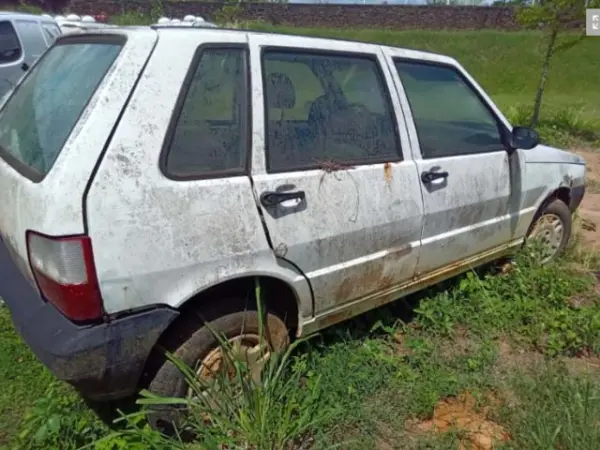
[{"x": 171, "y": 168}]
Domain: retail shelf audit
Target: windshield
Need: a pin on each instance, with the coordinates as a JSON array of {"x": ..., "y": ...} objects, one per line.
[{"x": 37, "y": 120}]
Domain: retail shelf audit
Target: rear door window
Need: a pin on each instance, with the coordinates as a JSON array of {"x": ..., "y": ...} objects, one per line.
[
  {"x": 38, "y": 118},
  {"x": 326, "y": 108}
]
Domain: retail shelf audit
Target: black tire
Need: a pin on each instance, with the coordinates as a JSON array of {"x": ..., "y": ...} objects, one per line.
[
  {"x": 191, "y": 342},
  {"x": 561, "y": 210},
  {"x": 108, "y": 412}
]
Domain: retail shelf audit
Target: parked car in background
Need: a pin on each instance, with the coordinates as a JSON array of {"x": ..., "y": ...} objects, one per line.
[
  {"x": 74, "y": 23},
  {"x": 23, "y": 39},
  {"x": 177, "y": 166}
]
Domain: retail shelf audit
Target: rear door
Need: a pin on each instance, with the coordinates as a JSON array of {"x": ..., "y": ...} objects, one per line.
[
  {"x": 332, "y": 169},
  {"x": 471, "y": 185}
]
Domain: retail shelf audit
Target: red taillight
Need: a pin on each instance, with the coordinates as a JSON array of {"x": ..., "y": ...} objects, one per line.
[{"x": 64, "y": 270}]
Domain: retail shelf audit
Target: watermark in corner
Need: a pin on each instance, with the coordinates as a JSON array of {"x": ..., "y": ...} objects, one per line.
[{"x": 592, "y": 23}]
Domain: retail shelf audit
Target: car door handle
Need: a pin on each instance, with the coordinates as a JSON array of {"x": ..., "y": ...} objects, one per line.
[
  {"x": 429, "y": 175},
  {"x": 269, "y": 199}
]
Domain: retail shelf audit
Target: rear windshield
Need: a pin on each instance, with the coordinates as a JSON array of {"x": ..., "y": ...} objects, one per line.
[{"x": 38, "y": 118}]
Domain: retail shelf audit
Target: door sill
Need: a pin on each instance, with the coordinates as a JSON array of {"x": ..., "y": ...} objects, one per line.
[{"x": 375, "y": 300}]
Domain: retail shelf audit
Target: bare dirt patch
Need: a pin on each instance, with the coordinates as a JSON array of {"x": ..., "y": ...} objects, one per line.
[
  {"x": 461, "y": 414},
  {"x": 586, "y": 365},
  {"x": 589, "y": 209},
  {"x": 512, "y": 359}
]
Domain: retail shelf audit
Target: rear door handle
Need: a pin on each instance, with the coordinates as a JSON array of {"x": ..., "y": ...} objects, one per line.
[
  {"x": 269, "y": 199},
  {"x": 430, "y": 175}
]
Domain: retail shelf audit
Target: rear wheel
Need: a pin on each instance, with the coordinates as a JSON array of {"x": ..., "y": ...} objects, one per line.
[
  {"x": 552, "y": 230},
  {"x": 194, "y": 343}
]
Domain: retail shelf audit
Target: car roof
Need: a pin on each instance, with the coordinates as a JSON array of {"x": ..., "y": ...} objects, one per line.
[{"x": 165, "y": 29}]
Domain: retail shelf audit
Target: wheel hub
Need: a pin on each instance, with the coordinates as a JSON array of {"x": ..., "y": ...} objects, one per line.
[
  {"x": 218, "y": 365},
  {"x": 549, "y": 231}
]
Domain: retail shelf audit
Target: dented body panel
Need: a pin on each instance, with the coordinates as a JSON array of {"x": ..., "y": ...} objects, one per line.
[{"x": 550, "y": 169}]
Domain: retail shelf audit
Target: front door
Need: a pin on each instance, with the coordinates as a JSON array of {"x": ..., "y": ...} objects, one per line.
[
  {"x": 470, "y": 182},
  {"x": 339, "y": 199}
]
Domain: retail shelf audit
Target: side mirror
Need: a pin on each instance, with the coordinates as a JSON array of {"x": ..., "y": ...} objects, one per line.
[{"x": 524, "y": 138}]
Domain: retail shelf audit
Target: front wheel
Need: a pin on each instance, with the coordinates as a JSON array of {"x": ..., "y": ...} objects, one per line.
[{"x": 552, "y": 230}]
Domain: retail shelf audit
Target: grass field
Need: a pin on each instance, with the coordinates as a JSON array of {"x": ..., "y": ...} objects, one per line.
[
  {"x": 509, "y": 357},
  {"x": 512, "y": 357},
  {"x": 507, "y": 65}
]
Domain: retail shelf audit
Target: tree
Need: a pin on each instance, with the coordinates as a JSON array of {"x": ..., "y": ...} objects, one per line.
[{"x": 554, "y": 17}]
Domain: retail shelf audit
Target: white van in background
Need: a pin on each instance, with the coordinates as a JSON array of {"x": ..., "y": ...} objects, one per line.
[{"x": 23, "y": 39}]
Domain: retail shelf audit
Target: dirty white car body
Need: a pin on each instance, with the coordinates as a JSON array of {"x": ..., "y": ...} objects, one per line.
[{"x": 347, "y": 236}]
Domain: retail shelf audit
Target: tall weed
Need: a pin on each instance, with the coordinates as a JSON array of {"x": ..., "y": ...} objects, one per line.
[
  {"x": 556, "y": 411},
  {"x": 238, "y": 412}
]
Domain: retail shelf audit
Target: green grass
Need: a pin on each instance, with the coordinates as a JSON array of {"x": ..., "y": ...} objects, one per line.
[
  {"x": 33, "y": 404},
  {"x": 22, "y": 377},
  {"x": 369, "y": 379},
  {"x": 506, "y": 64}
]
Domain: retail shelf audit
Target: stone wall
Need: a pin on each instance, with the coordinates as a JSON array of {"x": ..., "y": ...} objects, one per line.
[{"x": 397, "y": 17}]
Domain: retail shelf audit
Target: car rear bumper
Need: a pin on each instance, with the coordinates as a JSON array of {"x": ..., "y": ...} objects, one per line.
[{"x": 102, "y": 361}]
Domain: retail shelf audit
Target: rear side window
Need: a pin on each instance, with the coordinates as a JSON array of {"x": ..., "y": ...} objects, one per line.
[
  {"x": 209, "y": 135},
  {"x": 10, "y": 48},
  {"x": 38, "y": 118}
]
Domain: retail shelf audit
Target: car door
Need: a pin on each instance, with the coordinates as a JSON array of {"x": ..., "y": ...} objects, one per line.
[
  {"x": 471, "y": 183},
  {"x": 331, "y": 167}
]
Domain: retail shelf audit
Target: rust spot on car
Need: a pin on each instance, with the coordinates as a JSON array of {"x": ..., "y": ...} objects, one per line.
[
  {"x": 387, "y": 172},
  {"x": 374, "y": 278},
  {"x": 389, "y": 291},
  {"x": 329, "y": 166},
  {"x": 401, "y": 250},
  {"x": 370, "y": 279}
]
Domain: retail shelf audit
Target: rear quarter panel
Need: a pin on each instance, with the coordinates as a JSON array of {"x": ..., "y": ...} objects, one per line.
[{"x": 162, "y": 241}]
